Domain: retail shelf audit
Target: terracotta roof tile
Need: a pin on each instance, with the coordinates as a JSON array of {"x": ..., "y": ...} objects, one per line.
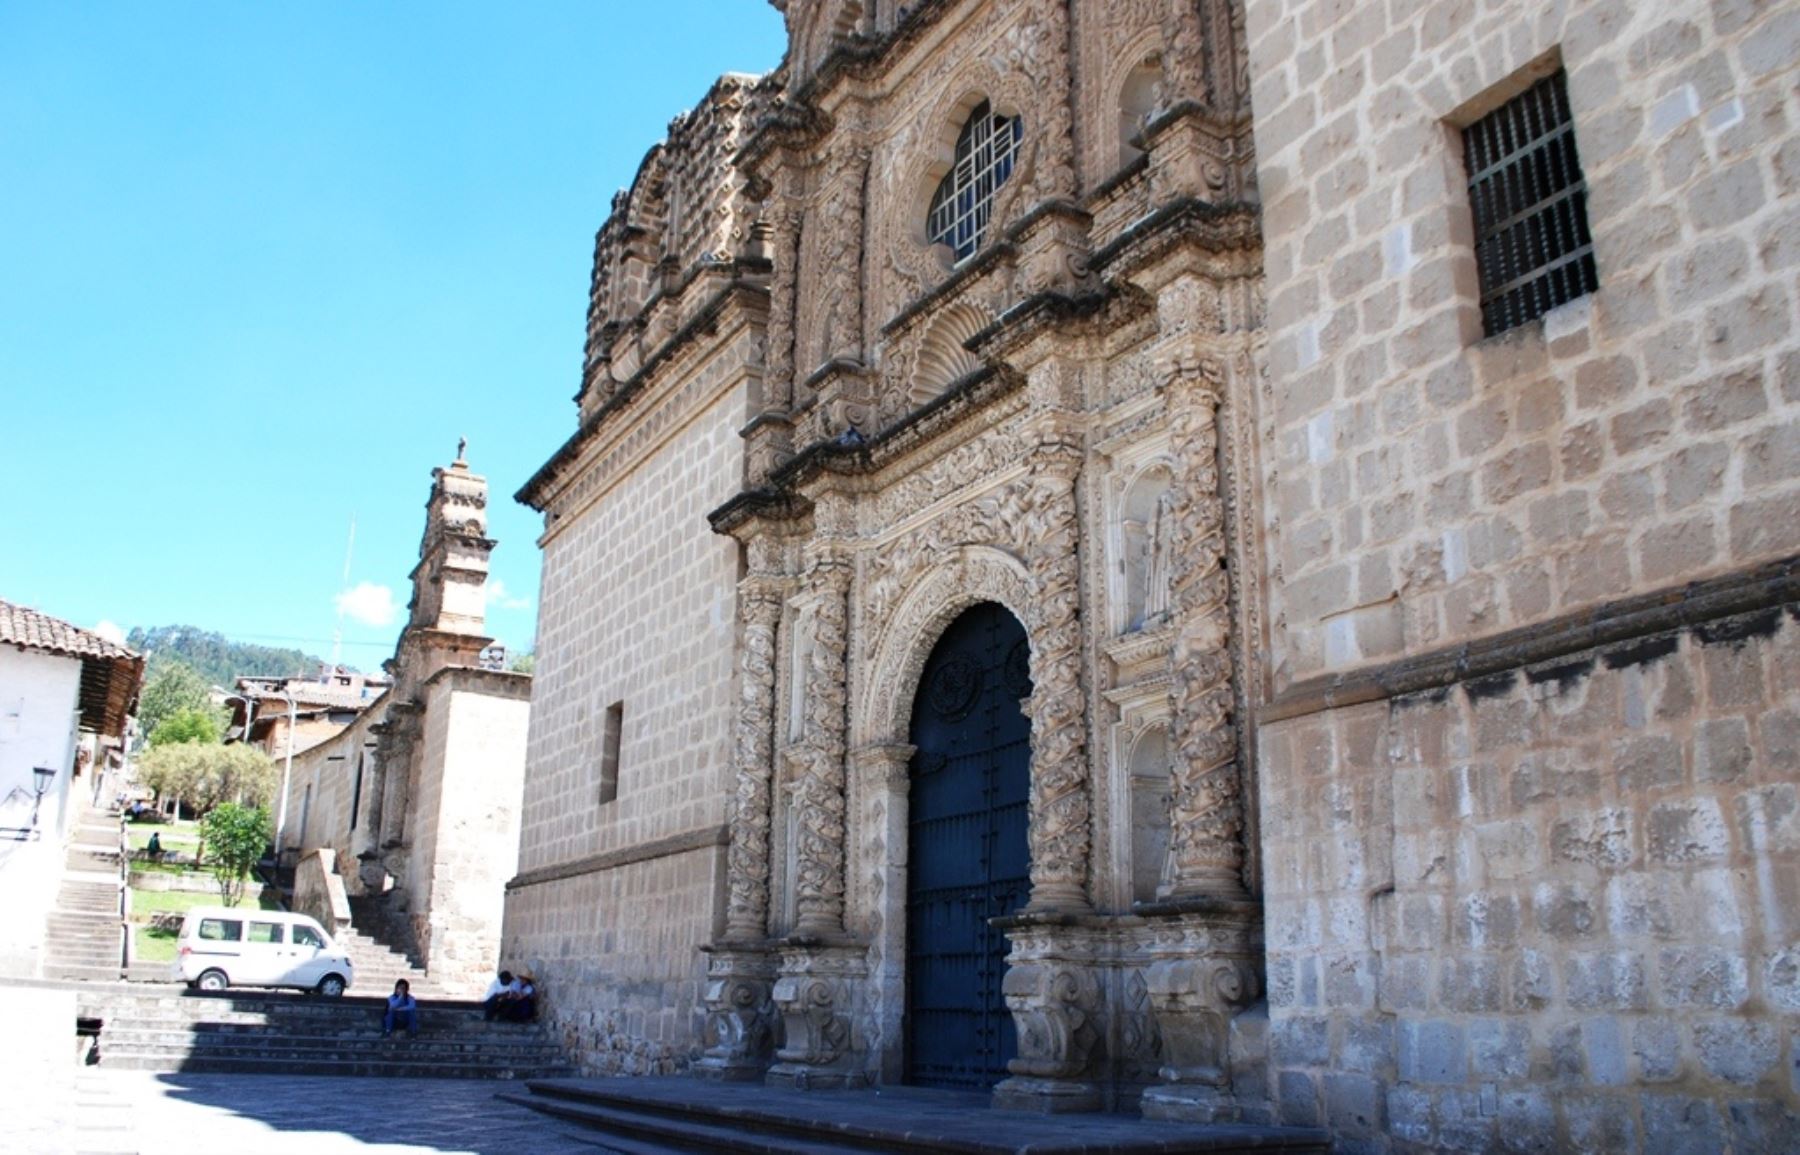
[{"x": 28, "y": 629}]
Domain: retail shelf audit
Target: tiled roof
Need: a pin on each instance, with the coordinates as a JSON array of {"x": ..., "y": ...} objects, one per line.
[{"x": 26, "y": 627}]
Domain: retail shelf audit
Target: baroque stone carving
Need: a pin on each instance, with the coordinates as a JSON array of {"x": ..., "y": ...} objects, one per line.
[
  {"x": 747, "y": 862},
  {"x": 1052, "y": 989},
  {"x": 740, "y": 1015},
  {"x": 1060, "y": 789},
  {"x": 816, "y": 995},
  {"x": 1205, "y": 807},
  {"x": 1203, "y": 971},
  {"x": 819, "y": 789}
]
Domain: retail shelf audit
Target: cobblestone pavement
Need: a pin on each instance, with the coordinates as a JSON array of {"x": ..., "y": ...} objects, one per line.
[{"x": 137, "y": 1113}]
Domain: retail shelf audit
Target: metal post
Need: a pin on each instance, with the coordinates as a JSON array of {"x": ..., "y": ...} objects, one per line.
[{"x": 286, "y": 774}]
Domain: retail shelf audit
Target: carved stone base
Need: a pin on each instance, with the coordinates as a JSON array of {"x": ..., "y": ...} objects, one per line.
[
  {"x": 1205, "y": 968},
  {"x": 818, "y": 994},
  {"x": 1052, "y": 988},
  {"x": 740, "y": 1013}
]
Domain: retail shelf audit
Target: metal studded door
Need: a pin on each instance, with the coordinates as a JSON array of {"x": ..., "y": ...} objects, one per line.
[{"x": 968, "y": 858}]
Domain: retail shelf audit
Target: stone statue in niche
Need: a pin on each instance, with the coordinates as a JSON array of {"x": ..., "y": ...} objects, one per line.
[
  {"x": 1147, "y": 556},
  {"x": 1157, "y": 581}
]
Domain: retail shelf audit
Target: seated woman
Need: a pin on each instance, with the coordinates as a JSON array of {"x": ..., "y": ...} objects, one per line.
[{"x": 403, "y": 1009}]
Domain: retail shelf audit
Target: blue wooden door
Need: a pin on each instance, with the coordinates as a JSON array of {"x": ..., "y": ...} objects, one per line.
[{"x": 968, "y": 858}]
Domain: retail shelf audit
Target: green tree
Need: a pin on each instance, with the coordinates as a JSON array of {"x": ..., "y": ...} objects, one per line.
[
  {"x": 172, "y": 688},
  {"x": 525, "y": 663},
  {"x": 207, "y": 776},
  {"x": 238, "y": 836},
  {"x": 188, "y": 725}
]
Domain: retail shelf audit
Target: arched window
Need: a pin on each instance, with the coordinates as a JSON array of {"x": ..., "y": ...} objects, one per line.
[{"x": 985, "y": 151}]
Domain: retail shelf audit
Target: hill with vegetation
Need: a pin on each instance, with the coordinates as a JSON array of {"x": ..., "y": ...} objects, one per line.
[{"x": 217, "y": 659}]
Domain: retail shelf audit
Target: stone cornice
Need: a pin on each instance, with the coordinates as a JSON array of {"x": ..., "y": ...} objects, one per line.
[
  {"x": 496, "y": 683},
  {"x": 1753, "y": 598},
  {"x": 534, "y": 492},
  {"x": 684, "y": 843}
]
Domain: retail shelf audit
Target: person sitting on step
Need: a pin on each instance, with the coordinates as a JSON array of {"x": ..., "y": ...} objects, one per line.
[
  {"x": 500, "y": 993},
  {"x": 522, "y": 1008},
  {"x": 402, "y": 1009}
]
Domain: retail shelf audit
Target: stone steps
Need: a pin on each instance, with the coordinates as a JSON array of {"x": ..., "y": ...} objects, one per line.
[
  {"x": 170, "y": 1029},
  {"x": 656, "y": 1114}
]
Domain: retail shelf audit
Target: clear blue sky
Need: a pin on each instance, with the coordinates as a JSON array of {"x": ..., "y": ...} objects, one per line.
[{"x": 262, "y": 264}]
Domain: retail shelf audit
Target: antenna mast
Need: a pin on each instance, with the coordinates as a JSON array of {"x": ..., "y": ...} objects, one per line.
[{"x": 337, "y": 634}]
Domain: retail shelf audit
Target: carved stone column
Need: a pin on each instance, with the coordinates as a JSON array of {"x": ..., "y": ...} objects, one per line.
[
  {"x": 1054, "y": 178},
  {"x": 1205, "y": 965},
  {"x": 1052, "y": 987},
  {"x": 747, "y": 862},
  {"x": 1206, "y": 811},
  {"x": 740, "y": 971},
  {"x": 1200, "y": 142},
  {"x": 819, "y": 789},
  {"x": 769, "y": 437},
  {"x": 884, "y": 775},
  {"x": 1061, "y": 840}
]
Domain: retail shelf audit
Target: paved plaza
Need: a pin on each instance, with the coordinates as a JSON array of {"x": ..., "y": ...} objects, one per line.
[{"x": 139, "y": 1113}]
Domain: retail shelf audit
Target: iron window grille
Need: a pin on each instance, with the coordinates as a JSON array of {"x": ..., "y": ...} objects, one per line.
[
  {"x": 1529, "y": 200},
  {"x": 985, "y": 151}
]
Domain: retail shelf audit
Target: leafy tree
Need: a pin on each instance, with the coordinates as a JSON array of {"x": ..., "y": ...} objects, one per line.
[
  {"x": 170, "y": 689},
  {"x": 188, "y": 725},
  {"x": 207, "y": 776},
  {"x": 238, "y": 836},
  {"x": 525, "y": 663}
]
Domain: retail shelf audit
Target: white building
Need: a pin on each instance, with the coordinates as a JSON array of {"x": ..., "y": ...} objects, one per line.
[{"x": 57, "y": 683}]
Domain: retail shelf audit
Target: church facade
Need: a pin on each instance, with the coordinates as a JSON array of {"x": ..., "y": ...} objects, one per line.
[{"x": 1229, "y": 560}]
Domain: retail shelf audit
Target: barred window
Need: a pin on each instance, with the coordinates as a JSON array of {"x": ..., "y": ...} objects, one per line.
[
  {"x": 964, "y": 200},
  {"x": 1529, "y": 201}
]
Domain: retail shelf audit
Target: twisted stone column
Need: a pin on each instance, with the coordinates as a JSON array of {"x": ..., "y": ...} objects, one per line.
[
  {"x": 1061, "y": 842},
  {"x": 1206, "y": 813},
  {"x": 747, "y": 862},
  {"x": 819, "y": 788},
  {"x": 778, "y": 394}
]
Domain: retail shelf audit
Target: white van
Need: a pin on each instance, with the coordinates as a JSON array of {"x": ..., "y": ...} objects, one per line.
[{"x": 220, "y": 947}]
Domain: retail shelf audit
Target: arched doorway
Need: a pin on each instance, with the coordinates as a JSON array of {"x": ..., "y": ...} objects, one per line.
[{"x": 968, "y": 856}]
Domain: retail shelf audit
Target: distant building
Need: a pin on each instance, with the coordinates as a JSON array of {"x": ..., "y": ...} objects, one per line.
[
  {"x": 320, "y": 708},
  {"x": 66, "y": 695},
  {"x": 410, "y": 804}
]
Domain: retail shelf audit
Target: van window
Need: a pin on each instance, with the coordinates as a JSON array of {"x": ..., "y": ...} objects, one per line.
[
  {"x": 307, "y": 936},
  {"x": 265, "y": 932},
  {"x": 221, "y": 930}
]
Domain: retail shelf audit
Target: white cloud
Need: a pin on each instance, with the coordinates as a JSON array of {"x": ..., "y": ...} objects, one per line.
[
  {"x": 111, "y": 632},
  {"x": 496, "y": 595},
  {"x": 368, "y": 603}
]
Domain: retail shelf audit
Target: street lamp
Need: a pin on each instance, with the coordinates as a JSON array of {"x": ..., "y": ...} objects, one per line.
[{"x": 43, "y": 776}]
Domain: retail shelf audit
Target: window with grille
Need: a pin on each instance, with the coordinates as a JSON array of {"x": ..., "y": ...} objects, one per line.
[
  {"x": 985, "y": 151},
  {"x": 1529, "y": 201}
]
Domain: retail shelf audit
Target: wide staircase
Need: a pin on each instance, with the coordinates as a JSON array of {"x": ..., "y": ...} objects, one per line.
[
  {"x": 654, "y": 1116},
  {"x": 143, "y": 1029},
  {"x": 382, "y": 953},
  {"x": 84, "y": 932}
]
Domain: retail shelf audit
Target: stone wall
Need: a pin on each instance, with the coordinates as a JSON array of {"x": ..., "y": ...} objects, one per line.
[
  {"x": 614, "y": 898},
  {"x": 1522, "y": 894},
  {"x": 1546, "y": 909},
  {"x": 1430, "y": 486},
  {"x": 465, "y": 840}
]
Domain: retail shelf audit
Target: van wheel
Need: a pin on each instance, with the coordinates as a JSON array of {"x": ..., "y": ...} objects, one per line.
[
  {"x": 213, "y": 980},
  {"x": 331, "y": 986}
]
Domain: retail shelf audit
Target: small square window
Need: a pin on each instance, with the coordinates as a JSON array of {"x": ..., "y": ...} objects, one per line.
[{"x": 1529, "y": 203}]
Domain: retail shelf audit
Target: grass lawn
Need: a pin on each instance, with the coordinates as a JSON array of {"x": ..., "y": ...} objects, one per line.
[{"x": 184, "y": 836}]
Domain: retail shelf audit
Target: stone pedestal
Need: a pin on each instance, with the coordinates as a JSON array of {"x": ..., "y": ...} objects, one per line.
[
  {"x": 1205, "y": 960},
  {"x": 818, "y": 994},
  {"x": 1053, "y": 989},
  {"x": 740, "y": 1013}
]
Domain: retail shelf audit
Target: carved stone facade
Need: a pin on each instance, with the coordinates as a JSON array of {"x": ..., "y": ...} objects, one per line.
[{"x": 1085, "y": 421}]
